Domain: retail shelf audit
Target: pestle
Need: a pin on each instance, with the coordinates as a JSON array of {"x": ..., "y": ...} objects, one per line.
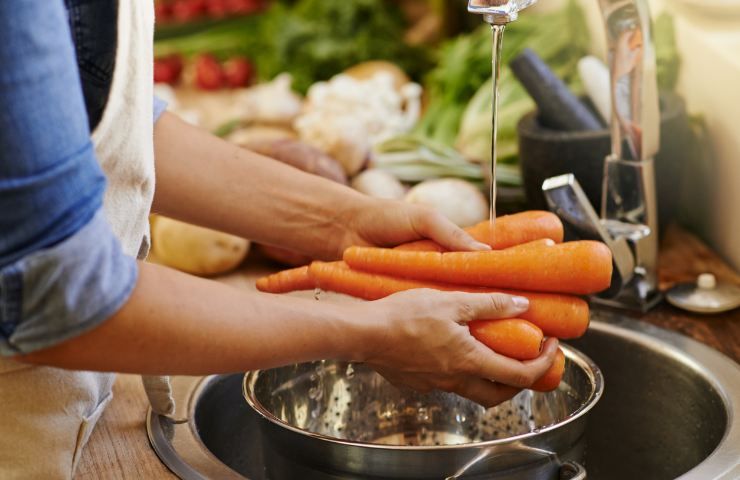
[{"x": 558, "y": 108}]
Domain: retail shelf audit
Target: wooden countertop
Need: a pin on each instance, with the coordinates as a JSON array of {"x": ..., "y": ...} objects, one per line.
[{"x": 119, "y": 448}]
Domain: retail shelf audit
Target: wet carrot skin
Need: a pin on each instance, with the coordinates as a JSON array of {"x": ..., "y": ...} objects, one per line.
[
  {"x": 294, "y": 279},
  {"x": 579, "y": 268},
  {"x": 507, "y": 231},
  {"x": 552, "y": 378},
  {"x": 560, "y": 316},
  {"x": 514, "y": 337}
]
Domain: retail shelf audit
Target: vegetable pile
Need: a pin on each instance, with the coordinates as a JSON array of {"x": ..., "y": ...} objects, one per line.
[
  {"x": 528, "y": 259},
  {"x": 312, "y": 39}
]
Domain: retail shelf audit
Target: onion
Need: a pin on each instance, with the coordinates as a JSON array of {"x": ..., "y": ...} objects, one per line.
[
  {"x": 456, "y": 199},
  {"x": 379, "y": 184}
]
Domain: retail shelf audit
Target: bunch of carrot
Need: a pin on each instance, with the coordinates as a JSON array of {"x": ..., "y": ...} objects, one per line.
[{"x": 527, "y": 258}]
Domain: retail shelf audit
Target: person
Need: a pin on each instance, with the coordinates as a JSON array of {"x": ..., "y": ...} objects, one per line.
[{"x": 80, "y": 159}]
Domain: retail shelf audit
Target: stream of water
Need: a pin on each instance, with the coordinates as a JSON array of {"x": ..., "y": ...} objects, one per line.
[{"x": 498, "y": 40}]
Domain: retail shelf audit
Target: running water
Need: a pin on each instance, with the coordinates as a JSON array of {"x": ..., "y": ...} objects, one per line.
[{"x": 498, "y": 40}]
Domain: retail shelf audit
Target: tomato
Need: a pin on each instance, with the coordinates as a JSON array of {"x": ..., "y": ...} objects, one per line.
[
  {"x": 187, "y": 10},
  {"x": 239, "y": 72},
  {"x": 162, "y": 12},
  {"x": 208, "y": 73},
  {"x": 168, "y": 69},
  {"x": 244, "y": 6},
  {"x": 218, "y": 8}
]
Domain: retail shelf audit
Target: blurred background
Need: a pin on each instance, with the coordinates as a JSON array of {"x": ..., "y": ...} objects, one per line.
[{"x": 393, "y": 97}]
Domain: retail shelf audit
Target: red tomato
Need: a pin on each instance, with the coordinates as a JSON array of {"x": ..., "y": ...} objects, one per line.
[
  {"x": 162, "y": 12},
  {"x": 244, "y": 6},
  {"x": 208, "y": 73},
  {"x": 163, "y": 72},
  {"x": 239, "y": 72},
  {"x": 218, "y": 8},
  {"x": 187, "y": 10},
  {"x": 176, "y": 63}
]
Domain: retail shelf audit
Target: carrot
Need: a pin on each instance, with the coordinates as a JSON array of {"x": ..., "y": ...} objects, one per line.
[
  {"x": 290, "y": 280},
  {"x": 541, "y": 243},
  {"x": 561, "y": 316},
  {"x": 551, "y": 379},
  {"x": 532, "y": 228},
  {"x": 508, "y": 231},
  {"x": 581, "y": 267},
  {"x": 514, "y": 337}
]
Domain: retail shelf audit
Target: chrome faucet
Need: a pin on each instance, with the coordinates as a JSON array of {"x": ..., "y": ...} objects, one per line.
[
  {"x": 628, "y": 223},
  {"x": 499, "y": 12}
]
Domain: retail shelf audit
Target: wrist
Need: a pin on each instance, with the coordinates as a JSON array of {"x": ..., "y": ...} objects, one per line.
[
  {"x": 359, "y": 331},
  {"x": 348, "y": 223}
]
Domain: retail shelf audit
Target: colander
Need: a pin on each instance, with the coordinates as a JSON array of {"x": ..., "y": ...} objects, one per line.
[{"x": 345, "y": 419}]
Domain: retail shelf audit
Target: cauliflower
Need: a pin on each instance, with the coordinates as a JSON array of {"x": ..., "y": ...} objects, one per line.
[{"x": 346, "y": 117}]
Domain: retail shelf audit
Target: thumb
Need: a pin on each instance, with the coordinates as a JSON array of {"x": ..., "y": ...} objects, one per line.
[
  {"x": 437, "y": 227},
  {"x": 475, "y": 306}
]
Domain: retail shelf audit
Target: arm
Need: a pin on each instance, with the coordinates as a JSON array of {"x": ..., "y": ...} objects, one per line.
[
  {"x": 204, "y": 180},
  {"x": 179, "y": 324}
]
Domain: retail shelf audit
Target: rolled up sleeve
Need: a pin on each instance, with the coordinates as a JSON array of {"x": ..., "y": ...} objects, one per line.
[{"x": 58, "y": 293}]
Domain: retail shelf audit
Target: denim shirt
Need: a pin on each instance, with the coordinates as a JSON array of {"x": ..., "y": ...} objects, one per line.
[{"x": 62, "y": 270}]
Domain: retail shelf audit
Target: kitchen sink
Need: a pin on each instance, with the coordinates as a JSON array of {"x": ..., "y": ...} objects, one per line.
[{"x": 670, "y": 409}]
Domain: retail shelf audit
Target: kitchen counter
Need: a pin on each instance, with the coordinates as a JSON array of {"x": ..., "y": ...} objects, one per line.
[{"x": 119, "y": 448}]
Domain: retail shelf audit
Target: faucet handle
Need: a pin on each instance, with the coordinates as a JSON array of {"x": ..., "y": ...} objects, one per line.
[{"x": 567, "y": 200}]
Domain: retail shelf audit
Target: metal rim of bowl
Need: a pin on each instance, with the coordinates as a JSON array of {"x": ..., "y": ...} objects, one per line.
[{"x": 584, "y": 362}]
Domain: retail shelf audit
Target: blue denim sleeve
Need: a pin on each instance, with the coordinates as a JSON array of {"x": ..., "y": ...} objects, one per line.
[
  {"x": 55, "y": 279},
  {"x": 159, "y": 108}
]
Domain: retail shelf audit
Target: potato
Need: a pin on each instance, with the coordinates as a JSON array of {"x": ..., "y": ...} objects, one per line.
[
  {"x": 260, "y": 133},
  {"x": 194, "y": 249},
  {"x": 301, "y": 156}
]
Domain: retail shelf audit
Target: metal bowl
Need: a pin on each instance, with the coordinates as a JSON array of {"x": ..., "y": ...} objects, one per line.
[{"x": 345, "y": 417}]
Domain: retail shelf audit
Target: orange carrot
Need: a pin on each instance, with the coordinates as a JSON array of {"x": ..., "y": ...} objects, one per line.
[
  {"x": 542, "y": 243},
  {"x": 551, "y": 379},
  {"x": 508, "y": 230},
  {"x": 582, "y": 267},
  {"x": 514, "y": 337},
  {"x": 286, "y": 281},
  {"x": 533, "y": 228},
  {"x": 561, "y": 316}
]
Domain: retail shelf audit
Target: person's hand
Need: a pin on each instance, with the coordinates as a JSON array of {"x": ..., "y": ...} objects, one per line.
[
  {"x": 387, "y": 223},
  {"x": 423, "y": 342}
]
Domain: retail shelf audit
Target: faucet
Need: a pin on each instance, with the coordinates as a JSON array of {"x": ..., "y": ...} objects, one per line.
[
  {"x": 628, "y": 221},
  {"x": 498, "y": 12}
]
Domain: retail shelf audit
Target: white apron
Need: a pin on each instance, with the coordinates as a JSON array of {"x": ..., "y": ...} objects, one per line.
[{"x": 49, "y": 413}]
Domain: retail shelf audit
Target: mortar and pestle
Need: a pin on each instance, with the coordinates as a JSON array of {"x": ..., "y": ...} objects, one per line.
[{"x": 565, "y": 135}]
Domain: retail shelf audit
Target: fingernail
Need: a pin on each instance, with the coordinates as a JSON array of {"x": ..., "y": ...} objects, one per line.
[
  {"x": 520, "y": 302},
  {"x": 481, "y": 246}
]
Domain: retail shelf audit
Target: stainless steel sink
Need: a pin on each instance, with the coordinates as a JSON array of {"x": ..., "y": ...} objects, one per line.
[{"x": 670, "y": 409}]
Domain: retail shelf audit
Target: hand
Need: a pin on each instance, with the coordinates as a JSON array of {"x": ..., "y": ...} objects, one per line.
[
  {"x": 389, "y": 223},
  {"x": 425, "y": 344}
]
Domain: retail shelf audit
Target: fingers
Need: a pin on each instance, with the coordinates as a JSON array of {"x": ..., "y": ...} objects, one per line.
[
  {"x": 474, "y": 306},
  {"x": 437, "y": 227},
  {"x": 481, "y": 391},
  {"x": 485, "y": 363},
  {"x": 484, "y": 392}
]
